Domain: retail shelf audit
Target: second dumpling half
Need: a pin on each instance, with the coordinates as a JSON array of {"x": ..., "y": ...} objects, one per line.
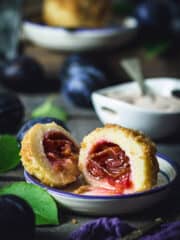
[{"x": 49, "y": 153}]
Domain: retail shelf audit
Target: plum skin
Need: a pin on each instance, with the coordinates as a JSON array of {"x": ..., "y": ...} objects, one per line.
[
  {"x": 11, "y": 113},
  {"x": 23, "y": 74},
  {"x": 81, "y": 75},
  {"x": 17, "y": 219},
  {"x": 156, "y": 17}
]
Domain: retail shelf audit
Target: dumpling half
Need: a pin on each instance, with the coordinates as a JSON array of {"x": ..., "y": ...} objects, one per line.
[
  {"x": 49, "y": 153},
  {"x": 118, "y": 158}
]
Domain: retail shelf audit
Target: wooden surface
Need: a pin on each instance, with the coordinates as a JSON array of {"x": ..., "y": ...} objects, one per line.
[{"x": 83, "y": 121}]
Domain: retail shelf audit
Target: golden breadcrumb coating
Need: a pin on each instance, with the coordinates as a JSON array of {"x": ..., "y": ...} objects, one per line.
[
  {"x": 76, "y": 13},
  {"x": 36, "y": 162},
  {"x": 139, "y": 148}
]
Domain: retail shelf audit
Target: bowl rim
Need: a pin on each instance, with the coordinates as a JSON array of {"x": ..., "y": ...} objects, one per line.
[
  {"x": 62, "y": 193},
  {"x": 129, "y": 23},
  {"x": 119, "y": 102}
]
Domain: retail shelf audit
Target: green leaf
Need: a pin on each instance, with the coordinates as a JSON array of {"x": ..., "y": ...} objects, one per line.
[
  {"x": 49, "y": 109},
  {"x": 43, "y": 205},
  {"x": 153, "y": 50},
  {"x": 9, "y": 157}
]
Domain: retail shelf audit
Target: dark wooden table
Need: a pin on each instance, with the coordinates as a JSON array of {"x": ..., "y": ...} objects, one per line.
[{"x": 83, "y": 121}]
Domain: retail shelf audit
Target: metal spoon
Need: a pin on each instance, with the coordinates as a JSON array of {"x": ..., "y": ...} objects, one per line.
[{"x": 133, "y": 68}]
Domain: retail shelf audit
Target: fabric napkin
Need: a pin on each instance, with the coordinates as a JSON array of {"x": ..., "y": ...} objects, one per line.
[{"x": 114, "y": 228}]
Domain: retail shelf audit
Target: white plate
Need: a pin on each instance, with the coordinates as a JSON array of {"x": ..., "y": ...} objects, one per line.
[
  {"x": 116, "y": 204},
  {"x": 57, "y": 38}
]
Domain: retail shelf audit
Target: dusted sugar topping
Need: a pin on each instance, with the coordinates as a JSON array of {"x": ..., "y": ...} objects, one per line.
[
  {"x": 108, "y": 161},
  {"x": 58, "y": 149}
]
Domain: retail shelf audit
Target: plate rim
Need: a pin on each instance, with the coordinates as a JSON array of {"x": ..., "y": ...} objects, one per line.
[
  {"x": 62, "y": 39},
  {"x": 99, "y": 31},
  {"x": 61, "y": 193}
]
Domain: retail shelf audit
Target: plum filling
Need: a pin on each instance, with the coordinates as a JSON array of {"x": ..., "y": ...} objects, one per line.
[
  {"x": 59, "y": 149},
  {"x": 108, "y": 161}
]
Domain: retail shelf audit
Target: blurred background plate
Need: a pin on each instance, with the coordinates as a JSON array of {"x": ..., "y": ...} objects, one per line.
[{"x": 57, "y": 38}]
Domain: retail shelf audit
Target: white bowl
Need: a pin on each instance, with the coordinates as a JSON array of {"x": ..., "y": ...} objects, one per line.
[
  {"x": 154, "y": 123},
  {"x": 116, "y": 204},
  {"x": 58, "y": 38}
]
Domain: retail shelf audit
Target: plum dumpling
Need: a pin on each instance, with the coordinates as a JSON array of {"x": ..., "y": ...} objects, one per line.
[
  {"x": 49, "y": 153},
  {"x": 77, "y": 13},
  {"x": 119, "y": 159}
]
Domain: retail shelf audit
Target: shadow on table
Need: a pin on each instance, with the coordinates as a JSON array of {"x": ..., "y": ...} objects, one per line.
[
  {"x": 173, "y": 139},
  {"x": 46, "y": 235},
  {"x": 168, "y": 208},
  {"x": 69, "y": 221}
]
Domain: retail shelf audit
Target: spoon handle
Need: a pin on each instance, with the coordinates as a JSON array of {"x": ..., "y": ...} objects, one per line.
[{"x": 132, "y": 67}]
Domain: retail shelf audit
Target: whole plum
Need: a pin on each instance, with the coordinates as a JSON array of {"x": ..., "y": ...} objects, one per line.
[
  {"x": 11, "y": 113},
  {"x": 17, "y": 219},
  {"x": 28, "y": 124},
  {"x": 23, "y": 74},
  {"x": 81, "y": 75},
  {"x": 155, "y": 16}
]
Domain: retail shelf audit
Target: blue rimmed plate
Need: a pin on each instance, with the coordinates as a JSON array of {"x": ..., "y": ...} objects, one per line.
[
  {"x": 116, "y": 204},
  {"x": 58, "y": 38}
]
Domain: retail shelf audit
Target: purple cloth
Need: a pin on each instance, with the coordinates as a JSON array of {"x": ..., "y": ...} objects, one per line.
[
  {"x": 170, "y": 231},
  {"x": 101, "y": 228},
  {"x": 113, "y": 229}
]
